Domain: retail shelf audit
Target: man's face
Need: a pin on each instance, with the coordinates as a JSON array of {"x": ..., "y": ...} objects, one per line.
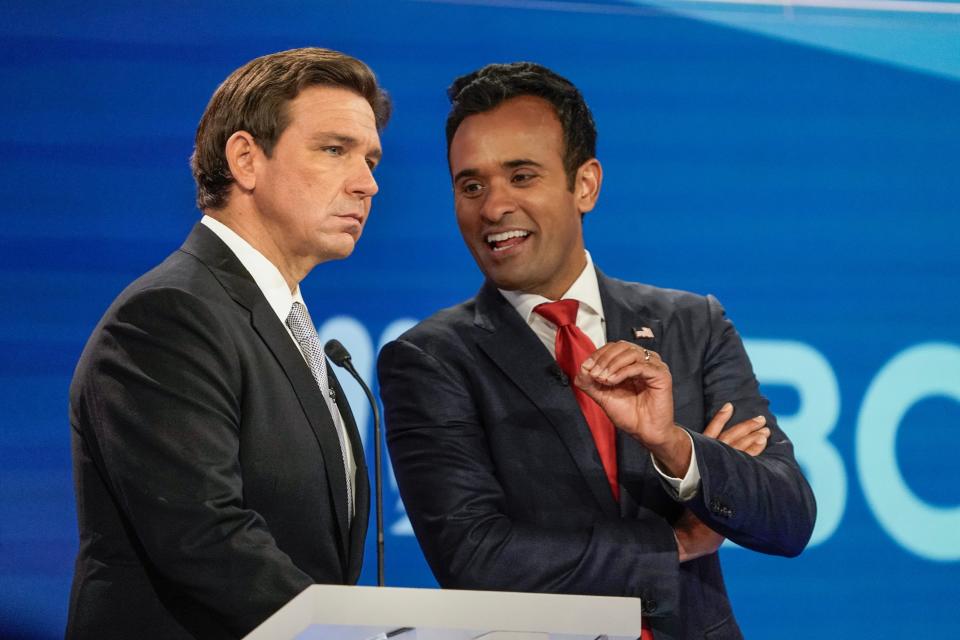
[
  {"x": 313, "y": 193},
  {"x": 517, "y": 216}
]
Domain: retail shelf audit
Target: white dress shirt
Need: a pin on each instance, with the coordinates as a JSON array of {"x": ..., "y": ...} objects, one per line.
[
  {"x": 275, "y": 290},
  {"x": 591, "y": 320}
]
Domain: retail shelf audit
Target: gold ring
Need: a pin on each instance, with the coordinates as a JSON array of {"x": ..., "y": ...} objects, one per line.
[{"x": 646, "y": 355}]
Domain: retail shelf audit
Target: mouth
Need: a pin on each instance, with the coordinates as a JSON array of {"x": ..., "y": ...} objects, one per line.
[
  {"x": 351, "y": 216},
  {"x": 354, "y": 221},
  {"x": 506, "y": 240}
]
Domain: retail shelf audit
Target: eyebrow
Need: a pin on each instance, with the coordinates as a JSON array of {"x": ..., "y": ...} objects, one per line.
[
  {"x": 347, "y": 141},
  {"x": 509, "y": 164}
]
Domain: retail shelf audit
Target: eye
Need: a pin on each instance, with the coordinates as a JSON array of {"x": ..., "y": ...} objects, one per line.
[
  {"x": 333, "y": 150},
  {"x": 471, "y": 188},
  {"x": 522, "y": 177}
]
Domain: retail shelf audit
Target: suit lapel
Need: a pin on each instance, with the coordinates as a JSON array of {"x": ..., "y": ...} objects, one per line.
[
  {"x": 628, "y": 319},
  {"x": 209, "y": 249},
  {"x": 516, "y": 350}
]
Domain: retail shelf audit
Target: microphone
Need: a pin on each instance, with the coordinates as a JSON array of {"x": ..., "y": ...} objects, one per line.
[
  {"x": 341, "y": 357},
  {"x": 561, "y": 377}
]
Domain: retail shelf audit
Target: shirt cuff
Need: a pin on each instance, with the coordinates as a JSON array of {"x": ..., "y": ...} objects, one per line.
[{"x": 683, "y": 488}]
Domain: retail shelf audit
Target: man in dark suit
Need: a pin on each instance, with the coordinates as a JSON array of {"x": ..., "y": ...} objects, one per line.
[
  {"x": 531, "y": 460},
  {"x": 219, "y": 471}
]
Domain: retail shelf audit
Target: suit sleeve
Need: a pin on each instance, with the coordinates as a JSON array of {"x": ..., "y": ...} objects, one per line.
[
  {"x": 162, "y": 402},
  {"x": 459, "y": 511},
  {"x": 762, "y": 503}
]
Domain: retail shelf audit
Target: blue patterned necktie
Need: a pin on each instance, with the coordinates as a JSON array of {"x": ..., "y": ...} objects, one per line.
[{"x": 306, "y": 336}]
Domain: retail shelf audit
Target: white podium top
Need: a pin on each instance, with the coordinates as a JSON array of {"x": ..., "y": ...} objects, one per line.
[{"x": 324, "y": 612}]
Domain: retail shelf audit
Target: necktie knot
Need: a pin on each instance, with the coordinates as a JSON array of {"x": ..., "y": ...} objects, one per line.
[
  {"x": 301, "y": 326},
  {"x": 300, "y": 323},
  {"x": 560, "y": 313}
]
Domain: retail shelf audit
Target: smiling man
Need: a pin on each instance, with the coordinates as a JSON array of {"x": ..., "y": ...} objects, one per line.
[
  {"x": 218, "y": 468},
  {"x": 564, "y": 431}
]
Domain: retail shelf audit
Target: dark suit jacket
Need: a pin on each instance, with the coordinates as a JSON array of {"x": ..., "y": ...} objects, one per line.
[
  {"x": 209, "y": 480},
  {"x": 504, "y": 486}
]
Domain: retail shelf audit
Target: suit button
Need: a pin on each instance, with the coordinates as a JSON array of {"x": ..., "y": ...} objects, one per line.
[{"x": 720, "y": 509}]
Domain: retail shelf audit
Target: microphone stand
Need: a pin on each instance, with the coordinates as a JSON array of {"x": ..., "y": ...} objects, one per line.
[{"x": 341, "y": 357}]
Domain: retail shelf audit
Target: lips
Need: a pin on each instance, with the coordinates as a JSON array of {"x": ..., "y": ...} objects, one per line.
[
  {"x": 504, "y": 240},
  {"x": 352, "y": 216}
]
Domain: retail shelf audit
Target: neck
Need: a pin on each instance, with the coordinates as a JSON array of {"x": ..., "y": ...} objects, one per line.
[
  {"x": 251, "y": 228},
  {"x": 554, "y": 290}
]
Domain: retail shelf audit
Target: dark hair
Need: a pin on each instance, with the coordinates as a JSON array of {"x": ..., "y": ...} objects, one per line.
[
  {"x": 254, "y": 99},
  {"x": 486, "y": 88}
]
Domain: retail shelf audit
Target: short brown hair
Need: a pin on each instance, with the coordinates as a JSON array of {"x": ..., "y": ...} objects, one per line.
[{"x": 254, "y": 99}]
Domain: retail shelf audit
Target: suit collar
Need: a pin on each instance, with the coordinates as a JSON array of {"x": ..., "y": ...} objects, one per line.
[
  {"x": 204, "y": 244},
  {"x": 269, "y": 280}
]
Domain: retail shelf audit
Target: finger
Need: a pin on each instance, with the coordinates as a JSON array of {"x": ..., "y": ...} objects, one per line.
[
  {"x": 598, "y": 356},
  {"x": 654, "y": 375},
  {"x": 620, "y": 360},
  {"x": 742, "y": 429},
  {"x": 746, "y": 442},
  {"x": 614, "y": 351},
  {"x": 757, "y": 448},
  {"x": 720, "y": 418}
]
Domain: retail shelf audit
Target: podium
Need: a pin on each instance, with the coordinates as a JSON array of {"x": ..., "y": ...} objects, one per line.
[{"x": 333, "y": 612}]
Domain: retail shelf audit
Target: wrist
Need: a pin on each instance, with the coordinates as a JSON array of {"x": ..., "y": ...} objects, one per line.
[{"x": 673, "y": 455}]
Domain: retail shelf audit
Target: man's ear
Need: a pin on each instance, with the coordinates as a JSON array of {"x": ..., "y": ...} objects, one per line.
[
  {"x": 586, "y": 188},
  {"x": 241, "y": 150}
]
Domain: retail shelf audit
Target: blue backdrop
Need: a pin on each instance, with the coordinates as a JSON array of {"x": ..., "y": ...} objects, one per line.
[{"x": 799, "y": 163}]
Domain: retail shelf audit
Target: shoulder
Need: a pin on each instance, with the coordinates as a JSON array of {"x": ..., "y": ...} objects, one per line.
[
  {"x": 444, "y": 344},
  {"x": 180, "y": 285},
  {"x": 443, "y": 328},
  {"x": 666, "y": 304},
  {"x": 179, "y": 302}
]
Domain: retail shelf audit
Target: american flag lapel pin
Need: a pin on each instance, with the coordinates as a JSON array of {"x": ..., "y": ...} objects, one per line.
[{"x": 642, "y": 332}]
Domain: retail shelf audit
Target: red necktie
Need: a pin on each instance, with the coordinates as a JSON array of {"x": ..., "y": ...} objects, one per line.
[{"x": 573, "y": 347}]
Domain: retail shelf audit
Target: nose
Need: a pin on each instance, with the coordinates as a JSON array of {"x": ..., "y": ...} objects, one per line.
[
  {"x": 362, "y": 184},
  {"x": 497, "y": 203}
]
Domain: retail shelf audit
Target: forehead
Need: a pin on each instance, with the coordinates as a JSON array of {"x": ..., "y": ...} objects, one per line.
[
  {"x": 522, "y": 127},
  {"x": 333, "y": 108}
]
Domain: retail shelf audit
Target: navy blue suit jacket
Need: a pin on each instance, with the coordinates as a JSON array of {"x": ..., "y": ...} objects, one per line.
[
  {"x": 209, "y": 480},
  {"x": 504, "y": 486}
]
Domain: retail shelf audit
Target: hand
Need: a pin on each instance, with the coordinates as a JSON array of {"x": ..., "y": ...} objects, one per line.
[
  {"x": 749, "y": 436},
  {"x": 633, "y": 386},
  {"x": 695, "y": 539}
]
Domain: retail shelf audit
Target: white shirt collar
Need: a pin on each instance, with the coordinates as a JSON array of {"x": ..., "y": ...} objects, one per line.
[
  {"x": 585, "y": 289},
  {"x": 264, "y": 273}
]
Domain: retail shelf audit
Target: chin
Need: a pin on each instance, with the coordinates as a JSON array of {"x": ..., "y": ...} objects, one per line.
[
  {"x": 505, "y": 283},
  {"x": 338, "y": 250}
]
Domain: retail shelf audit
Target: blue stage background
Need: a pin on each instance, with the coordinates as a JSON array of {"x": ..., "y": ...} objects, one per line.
[{"x": 801, "y": 164}]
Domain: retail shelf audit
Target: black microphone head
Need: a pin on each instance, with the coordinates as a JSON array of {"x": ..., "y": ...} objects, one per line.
[
  {"x": 559, "y": 374},
  {"x": 337, "y": 352}
]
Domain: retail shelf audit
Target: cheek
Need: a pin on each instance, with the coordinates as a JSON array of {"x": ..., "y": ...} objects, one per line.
[{"x": 466, "y": 220}]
